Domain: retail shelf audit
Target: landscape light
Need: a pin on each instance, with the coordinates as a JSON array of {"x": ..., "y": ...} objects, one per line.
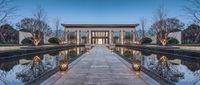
[
  {"x": 63, "y": 66},
  {"x": 136, "y": 65}
]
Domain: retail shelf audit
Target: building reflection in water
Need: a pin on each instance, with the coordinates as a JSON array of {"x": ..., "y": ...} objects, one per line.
[
  {"x": 31, "y": 67},
  {"x": 159, "y": 64}
]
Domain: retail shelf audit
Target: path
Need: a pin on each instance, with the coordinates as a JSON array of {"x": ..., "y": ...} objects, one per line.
[{"x": 100, "y": 67}]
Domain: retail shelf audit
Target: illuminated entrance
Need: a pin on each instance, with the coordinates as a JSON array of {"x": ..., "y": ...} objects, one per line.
[
  {"x": 99, "y": 41},
  {"x": 100, "y": 37}
]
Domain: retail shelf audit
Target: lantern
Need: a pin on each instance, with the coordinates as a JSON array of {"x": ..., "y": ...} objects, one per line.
[
  {"x": 63, "y": 66},
  {"x": 136, "y": 65}
]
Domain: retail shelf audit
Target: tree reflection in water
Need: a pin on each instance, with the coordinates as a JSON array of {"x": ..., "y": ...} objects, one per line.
[
  {"x": 165, "y": 69},
  {"x": 32, "y": 70},
  {"x": 175, "y": 70},
  {"x": 6, "y": 67},
  {"x": 37, "y": 67}
]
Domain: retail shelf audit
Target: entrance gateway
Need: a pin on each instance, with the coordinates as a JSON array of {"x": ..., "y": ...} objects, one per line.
[{"x": 99, "y": 33}]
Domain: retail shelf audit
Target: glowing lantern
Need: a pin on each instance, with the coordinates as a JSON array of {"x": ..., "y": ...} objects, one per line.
[
  {"x": 136, "y": 65},
  {"x": 63, "y": 66}
]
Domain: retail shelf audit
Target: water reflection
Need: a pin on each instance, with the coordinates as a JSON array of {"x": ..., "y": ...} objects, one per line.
[
  {"x": 27, "y": 69},
  {"x": 182, "y": 72}
]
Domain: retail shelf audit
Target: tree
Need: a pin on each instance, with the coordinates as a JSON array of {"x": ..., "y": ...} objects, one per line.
[
  {"x": 191, "y": 34},
  {"x": 163, "y": 25},
  {"x": 6, "y": 11},
  {"x": 37, "y": 26},
  {"x": 193, "y": 10},
  {"x": 143, "y": 26},
  {"x": 57, "y": 26},
  {"x": 168, "y": 25},
  {"x": 59, "y": 33},
  {"x": 172, "y": 40},
  {"x": 139, "y": 34},
  {"x": 8, "y": 34},
  {"x": 54, "y": 40},
  {"x": 146, "y": 40}
]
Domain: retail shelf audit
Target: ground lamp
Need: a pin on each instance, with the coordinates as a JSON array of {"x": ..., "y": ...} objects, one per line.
[
  {"x": 136, "y": 65},
  {"x": 63, "y": 65}
]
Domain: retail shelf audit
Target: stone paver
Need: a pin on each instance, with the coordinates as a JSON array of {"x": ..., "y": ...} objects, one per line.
[{"x": 100, "y": 67}]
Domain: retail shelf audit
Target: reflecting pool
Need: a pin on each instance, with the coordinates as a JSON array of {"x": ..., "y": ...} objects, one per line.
[
  {"x": 28, "y": 68},
  {"x": 176, "y": 70}
]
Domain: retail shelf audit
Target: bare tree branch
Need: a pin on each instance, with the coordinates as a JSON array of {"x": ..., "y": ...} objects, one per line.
[
  {"x": 193, "y": 10},
  {"x": 143, "y": 26},
  {"x": 6, "y": 10}
]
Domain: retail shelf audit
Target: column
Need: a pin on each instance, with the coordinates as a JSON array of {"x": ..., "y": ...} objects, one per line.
[
  {"x": 122, "y": 37},
  {"x": 77, "y": 50},
  {"x": 66, "y": 35},
  {"x": 110, "y": 36},
  {"x": 122, "y": 51},
  {"x": 133, "y": 34},
  {"x": 78, "y": 36},
  {"x": 89, "y": 36}
]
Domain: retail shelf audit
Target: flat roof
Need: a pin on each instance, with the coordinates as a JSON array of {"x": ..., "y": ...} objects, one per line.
[{"x": 100, "y": 25}]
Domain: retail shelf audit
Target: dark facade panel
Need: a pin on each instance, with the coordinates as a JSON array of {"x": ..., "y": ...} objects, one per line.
[{"x": 100, "y": 25}]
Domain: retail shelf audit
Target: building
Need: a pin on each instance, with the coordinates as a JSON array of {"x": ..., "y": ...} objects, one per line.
[{"x": 100, "y": 33}]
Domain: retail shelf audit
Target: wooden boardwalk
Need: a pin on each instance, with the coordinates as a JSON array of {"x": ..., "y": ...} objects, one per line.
[{"x": 100, "y": 67}]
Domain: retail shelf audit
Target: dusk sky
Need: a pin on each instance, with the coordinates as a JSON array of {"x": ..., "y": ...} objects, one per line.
[{"x": 100, "y": 11}]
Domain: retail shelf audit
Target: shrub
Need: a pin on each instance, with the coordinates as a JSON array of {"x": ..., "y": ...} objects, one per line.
[
  {"x": 54, "y": 40},
  {"x": 173, "y": 40},
  {"x": 27, "y": 41},
  {"x": 146, "y": 40}
]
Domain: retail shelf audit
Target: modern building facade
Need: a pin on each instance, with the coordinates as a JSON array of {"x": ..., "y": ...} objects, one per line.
[{"x": 100, "y": 33}]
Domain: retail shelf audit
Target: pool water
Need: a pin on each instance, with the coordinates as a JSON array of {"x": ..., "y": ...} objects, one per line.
[
  {"x": 181, "y": 71},
  {"x": 28, "y": 68}
]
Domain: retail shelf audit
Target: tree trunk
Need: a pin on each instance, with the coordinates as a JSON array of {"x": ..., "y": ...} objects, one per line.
[
  {"x": 197, "y": 38},
  {"x": 163, "y": 39},
  {"x": 2, "y": 37}
]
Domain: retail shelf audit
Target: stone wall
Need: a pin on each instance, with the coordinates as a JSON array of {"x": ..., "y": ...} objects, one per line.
[
  {"x": 23, "y": 35},
  {"x": 176, "y": 35},
  {"x": 45, "y": 39}
]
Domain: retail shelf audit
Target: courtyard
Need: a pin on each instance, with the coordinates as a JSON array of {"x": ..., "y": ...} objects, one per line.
[{"x": 99, "y": 42}]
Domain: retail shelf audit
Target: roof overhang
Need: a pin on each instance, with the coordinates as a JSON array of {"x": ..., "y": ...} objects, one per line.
[{"x": 100, "y": 25}]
